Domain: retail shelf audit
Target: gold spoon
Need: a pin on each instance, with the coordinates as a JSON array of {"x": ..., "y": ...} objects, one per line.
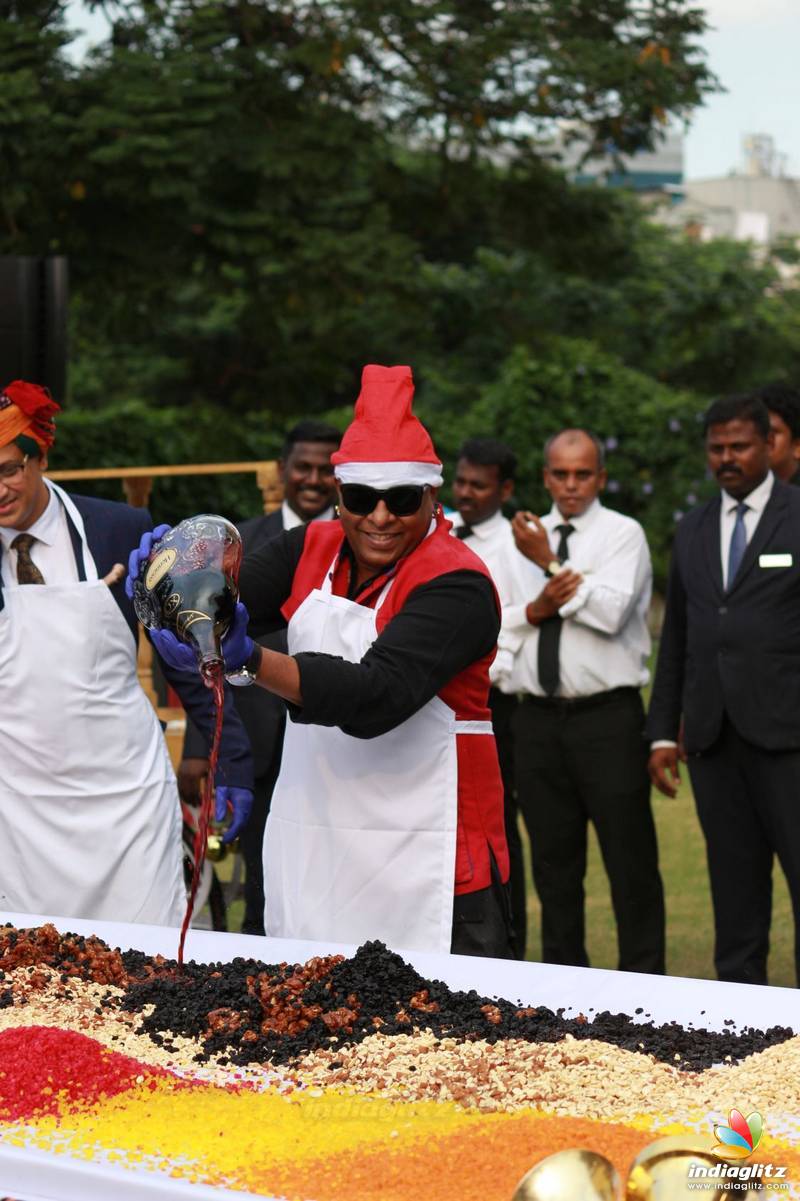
[
  {"x": 659, "y": 1173},
  {"x": 571, "y": 1175}
]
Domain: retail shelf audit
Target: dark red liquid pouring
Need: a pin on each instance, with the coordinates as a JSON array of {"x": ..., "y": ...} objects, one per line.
[
  {"x": 213, "y": 678},
  {"x": 189, "y": 585}
]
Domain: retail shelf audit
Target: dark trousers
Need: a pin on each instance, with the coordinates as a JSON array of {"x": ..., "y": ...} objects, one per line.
[
  {"x": 482, "y": 921},
  {"x": 581, "y": 761},
  {"x": 747, "y": 802},
  {"x": 251, "y": 846},
  {"x": 503, "y": 709}
]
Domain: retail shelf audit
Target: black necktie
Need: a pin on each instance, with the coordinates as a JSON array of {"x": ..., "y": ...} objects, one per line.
[
  {"x": 550, "y": 629},
  {"x": 27, "y": 571},
  {"x": 463, "y": 531}
]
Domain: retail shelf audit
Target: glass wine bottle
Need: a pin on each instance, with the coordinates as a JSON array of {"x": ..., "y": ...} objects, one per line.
[{"x": 190, "y": 584}]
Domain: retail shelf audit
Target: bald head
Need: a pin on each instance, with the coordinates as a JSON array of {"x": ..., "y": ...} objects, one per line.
[
  {"x": 576, "y": 437},
  {"x": 574, "y": 471}
]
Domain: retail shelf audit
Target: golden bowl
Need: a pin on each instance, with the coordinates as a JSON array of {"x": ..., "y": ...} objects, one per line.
[{"x": 662, "y": 1172}]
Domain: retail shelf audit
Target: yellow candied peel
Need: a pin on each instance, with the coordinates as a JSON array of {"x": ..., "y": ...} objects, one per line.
[{"x": 221, "y": 1135}]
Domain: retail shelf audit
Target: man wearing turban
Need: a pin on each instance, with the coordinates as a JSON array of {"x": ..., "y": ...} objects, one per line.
[{"x": 88, "y": 800}]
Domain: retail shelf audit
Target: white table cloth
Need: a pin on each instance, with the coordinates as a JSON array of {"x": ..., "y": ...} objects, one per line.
[{"x": 30, "y": 1175}]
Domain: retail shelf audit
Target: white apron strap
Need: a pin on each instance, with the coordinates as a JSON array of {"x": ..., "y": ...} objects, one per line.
[{"x": 76, "y": 518}]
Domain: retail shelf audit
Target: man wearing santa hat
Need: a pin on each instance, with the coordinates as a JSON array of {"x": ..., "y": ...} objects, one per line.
[
  {"x": 88, "y": 801},
  {"x": 387, "y": 817}
]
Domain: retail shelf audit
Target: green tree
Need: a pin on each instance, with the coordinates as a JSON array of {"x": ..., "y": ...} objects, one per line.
[
  {"x": 249, "y": 193},
  {"x": 34, "y": 83},
  {"x": 651, "y": 432},
  {"x": 706, "y": 315}
]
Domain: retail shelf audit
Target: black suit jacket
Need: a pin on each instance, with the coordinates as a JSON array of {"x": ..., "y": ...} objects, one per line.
[
  {"x": 112, "y": 531},
  {"x": 734, "y": 652},
  {"x": 256, "y": 531}
]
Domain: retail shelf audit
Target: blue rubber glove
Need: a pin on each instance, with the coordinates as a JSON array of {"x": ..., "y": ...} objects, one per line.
[
  {"x": 240, "y": 801},
  {"x": 142, "y": 552},
  {"x": 175, "y": 653},
  {"x": 237, "y": 646}
]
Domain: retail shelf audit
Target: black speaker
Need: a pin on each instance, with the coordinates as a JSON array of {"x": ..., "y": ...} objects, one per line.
[{"x": 33, "y": 322}]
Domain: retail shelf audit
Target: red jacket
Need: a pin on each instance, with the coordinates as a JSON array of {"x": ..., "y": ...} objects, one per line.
[{"x": 480, "y": 788}]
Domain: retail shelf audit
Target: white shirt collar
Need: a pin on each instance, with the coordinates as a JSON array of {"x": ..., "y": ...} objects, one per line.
[
  {"x": 46, "y": 528},
  {"x": 756, "y": 500},
  {"x": 292, "y": 520},
  {"x": 556, "y": 517},
  {"x": 482, "y": 529}
]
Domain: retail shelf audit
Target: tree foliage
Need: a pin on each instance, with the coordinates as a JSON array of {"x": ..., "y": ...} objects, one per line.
[{"x": 259, "y": 196}]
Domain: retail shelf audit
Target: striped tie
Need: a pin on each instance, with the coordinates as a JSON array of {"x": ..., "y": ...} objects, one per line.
[
  {"x": 27, "y": 571},
  {"x": 738, "y": 543}
]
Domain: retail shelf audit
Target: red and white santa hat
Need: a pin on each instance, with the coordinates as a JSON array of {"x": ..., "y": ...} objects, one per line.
[{"x": 385, "y": 444}]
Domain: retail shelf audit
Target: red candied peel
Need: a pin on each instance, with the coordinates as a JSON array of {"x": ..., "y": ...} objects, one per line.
[{"x": 44, "y": 1070}]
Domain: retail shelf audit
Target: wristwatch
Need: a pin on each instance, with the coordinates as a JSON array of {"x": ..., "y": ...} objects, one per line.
[
  {"x": 248, "y": 672},
  {"x": 553, "y": 568}
]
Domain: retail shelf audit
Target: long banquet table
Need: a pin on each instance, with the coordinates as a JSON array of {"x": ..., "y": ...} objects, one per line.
[{"x": 30, "y": 1175}]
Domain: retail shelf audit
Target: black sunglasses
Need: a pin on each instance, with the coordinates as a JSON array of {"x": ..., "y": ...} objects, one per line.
[{"x": 402, "y": 500}]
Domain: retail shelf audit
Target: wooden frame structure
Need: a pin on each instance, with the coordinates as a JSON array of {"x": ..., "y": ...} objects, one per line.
[{"x": 137, "y": 482}]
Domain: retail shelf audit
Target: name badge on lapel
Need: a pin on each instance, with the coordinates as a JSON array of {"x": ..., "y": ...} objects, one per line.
[{"x": 774, "y": 560}]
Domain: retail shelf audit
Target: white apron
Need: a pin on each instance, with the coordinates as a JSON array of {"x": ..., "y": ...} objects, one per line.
[
  {"x": 89, "y": 812},
  {"x": 360, "y": 841}
]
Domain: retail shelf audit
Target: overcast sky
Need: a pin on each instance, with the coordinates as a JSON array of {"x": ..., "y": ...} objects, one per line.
[
  {"x": 754, "y": 48},
  {"x": 754, "y": 51}
]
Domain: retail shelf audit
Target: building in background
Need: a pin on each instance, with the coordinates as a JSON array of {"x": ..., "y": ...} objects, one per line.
[
  {"x": 757, "y": 203},
  {"x": 650, "y": 173}
]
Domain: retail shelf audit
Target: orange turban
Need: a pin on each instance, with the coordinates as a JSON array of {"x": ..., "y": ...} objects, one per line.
[{"x": 27, "y": 409}]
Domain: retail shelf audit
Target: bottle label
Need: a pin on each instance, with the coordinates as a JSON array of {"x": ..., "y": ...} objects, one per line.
[{"x": 160, "y": 566}]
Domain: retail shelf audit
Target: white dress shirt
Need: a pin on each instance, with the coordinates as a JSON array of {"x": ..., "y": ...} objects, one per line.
[
  {"x": 605, "y": 642},
  {"x": 756, "y": 503},
  {"x": 52, "y": 552},
  {"x": 292, "y": 520},
  {"x": 513, "y": 576}
]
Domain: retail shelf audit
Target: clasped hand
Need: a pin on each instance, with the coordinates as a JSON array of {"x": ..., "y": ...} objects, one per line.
[{"x": 531, "y": 538}]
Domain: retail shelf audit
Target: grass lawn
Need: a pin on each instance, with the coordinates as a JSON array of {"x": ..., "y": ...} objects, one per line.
[
  {"x": 690, "y": 930},
  {"x": 690, "y": 933}
]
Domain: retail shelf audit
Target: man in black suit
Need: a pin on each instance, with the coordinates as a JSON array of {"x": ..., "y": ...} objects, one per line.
[
  {"x": 308, "y": 494},
  {"x": 729, "y": 664}
]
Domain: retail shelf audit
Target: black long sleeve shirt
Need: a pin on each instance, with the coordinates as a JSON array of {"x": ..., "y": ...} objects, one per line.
[{"x": 444, "y": 626}]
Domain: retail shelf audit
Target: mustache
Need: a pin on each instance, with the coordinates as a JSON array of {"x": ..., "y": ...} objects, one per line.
[{"x": 729, "y": 471}]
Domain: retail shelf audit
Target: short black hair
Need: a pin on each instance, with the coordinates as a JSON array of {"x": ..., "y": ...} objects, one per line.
[
  {"x": 310, "y": 431},
  {"x": 490, "y": 452},
  {"x": 593, "y": 438},
  {"x": 785, "y": 401},
  {"x": 742, "y": 406}
]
